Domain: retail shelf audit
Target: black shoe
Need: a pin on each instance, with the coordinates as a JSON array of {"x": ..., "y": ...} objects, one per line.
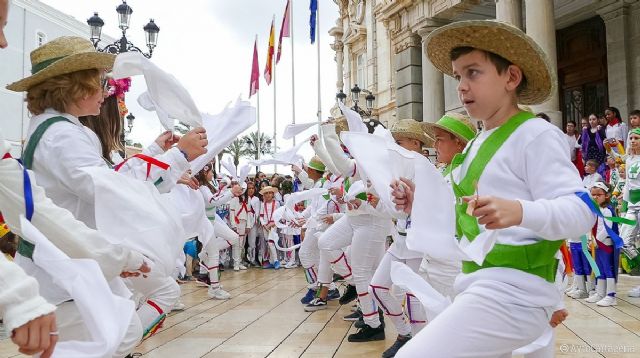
[
  {"x": 349, "y": 295},
  {"x": 400, "y": 341},
  {"x": 368, "y": 334},
  {"x": 354, "y": 316},
  {"x": 360, "y": 322},
  {"x": 337, "y": 277}
]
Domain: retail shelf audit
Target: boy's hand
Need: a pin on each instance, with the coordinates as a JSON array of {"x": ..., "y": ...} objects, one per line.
[
  {"x": 328, "y": 219},
  {"x": 39, "y": 335},
  {"x": 495, "y": 213},
  {"x": 558, "y": 317},
  {"x": 402, "y": 194}
]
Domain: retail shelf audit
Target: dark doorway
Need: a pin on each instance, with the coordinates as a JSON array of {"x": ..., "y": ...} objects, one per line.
[{"x": 582, "y": 69}]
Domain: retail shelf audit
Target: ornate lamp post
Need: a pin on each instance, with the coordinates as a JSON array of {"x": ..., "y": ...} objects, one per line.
[
  {"x": 124, "y": 11},
  {"x": 355, "y": 98}
]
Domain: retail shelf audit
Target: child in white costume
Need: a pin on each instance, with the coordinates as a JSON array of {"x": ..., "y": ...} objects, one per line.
[
  {"x": 408, "y": 134},
  {"x": 242, "y": 218},
  {"x": 631, "y": 194},
  {"x": 504, "y": 303},
  {"x": 268, "y": 207},
  {"x": 365, "y": 226},
  {"x": 252, "y": 230}
]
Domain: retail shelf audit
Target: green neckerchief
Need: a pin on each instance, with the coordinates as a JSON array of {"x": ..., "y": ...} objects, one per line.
[{"x": 467, "y": 225}]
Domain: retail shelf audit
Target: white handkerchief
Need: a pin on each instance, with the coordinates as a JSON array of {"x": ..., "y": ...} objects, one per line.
[
  {"x": 167, "y": 94},
  {"x": 84, "y": 281},
  {"x": 432, "y": 300},
  {"x": 291, "y": 199},
  {"x": 353, "y": 119},
  {"x": 223, "y": 129},
  {"x": 292, "y": 130}
]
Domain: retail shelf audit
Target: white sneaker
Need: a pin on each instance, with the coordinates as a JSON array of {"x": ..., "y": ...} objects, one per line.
[
  {"x": 634, "y": 292},
  {"x": 594, "y": 298},
  {"x": 607, "y": 301},
  {"x": 218, "y": 293},
  {"x": 239, "y": 267},
  {"x": 178, "y": 306},
  {"x": 578, "y": 294},
  {"x": 571, "y": 291}
]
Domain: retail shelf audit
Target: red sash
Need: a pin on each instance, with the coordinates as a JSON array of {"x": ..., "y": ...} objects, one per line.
[{"x": 150, "y": 161}]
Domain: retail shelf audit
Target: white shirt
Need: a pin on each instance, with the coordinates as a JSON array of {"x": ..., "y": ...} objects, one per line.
[
  {"x": 591, "y": 179},
  {"x": 266, "y": 211},
  {"x": 632, "y": 168},
  {"x": 572, "y": 141},
  {"x": 520, "y": 170},
  {"x": 617, "y": 131},
  {"x": 65, "y": 148},
  {"x": 601, "y": 232}
]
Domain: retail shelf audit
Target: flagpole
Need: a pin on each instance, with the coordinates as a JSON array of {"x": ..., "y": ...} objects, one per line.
[
  {"x": 293, "y": 72},
  {"x": 258, "y": 122},
  {"x": 275, "y": 103},
  {"x": 318, "y": 43}
]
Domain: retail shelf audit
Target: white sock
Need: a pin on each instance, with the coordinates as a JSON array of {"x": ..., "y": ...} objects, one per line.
[{"x": 611, "y": 287}]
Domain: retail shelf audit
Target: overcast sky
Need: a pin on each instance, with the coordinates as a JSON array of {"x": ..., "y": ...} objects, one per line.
[{"x": 208, "y": 46}]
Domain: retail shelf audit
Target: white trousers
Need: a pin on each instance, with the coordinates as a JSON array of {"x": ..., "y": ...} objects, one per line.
[
  {"x": 310, "y": 256},
  {"x": 441, "y": 275},
  {"x": 71, "y": 327},
  {"x": 159, "y": 295},
  {"x": 252, "y": 241},
  {"x": 628, "y": 232},
  {"x": 367, "y": 235},
  {"x": 414, "y": 319},
  {"x": 478, "y": 325},
  {"x": 272, "y": 253}
]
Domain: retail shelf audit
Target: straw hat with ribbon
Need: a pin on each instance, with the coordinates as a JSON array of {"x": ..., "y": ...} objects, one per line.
[
  {"x": 268, "y": 189},
  {"x": 316, "y": 164},
  {"x": 455, "y": 123},
  {"x": 501, "y": 39},
  {"x": 412, "y": 129},
  {"x": 63, "y": 55}
]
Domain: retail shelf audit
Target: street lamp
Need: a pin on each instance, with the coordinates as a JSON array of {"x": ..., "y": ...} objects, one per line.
[
  {"x": 341, "y": 97},
  {"x": 130, "y": 119},
  {"x": 124, "y": 11}
]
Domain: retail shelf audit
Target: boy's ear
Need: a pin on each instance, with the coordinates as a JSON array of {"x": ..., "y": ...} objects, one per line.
[{"x": 515, "y": 77}]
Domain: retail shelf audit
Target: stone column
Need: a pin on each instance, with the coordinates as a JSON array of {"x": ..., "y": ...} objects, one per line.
[
  {"x": 509, "y": 11},
  {"x": 338, "y": 47},
  {"x": 620, "y": 66},
  {"x": 408, "y": 67},
  {"x": 540, "y": 24},
  {"x": 432, "y": 84}
]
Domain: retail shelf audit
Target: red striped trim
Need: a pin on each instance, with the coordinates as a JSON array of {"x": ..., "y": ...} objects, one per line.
[
  {"x": 155, "y": 306},
  {"x": 394, "y": 315},
  {"x": 384, "y": 288},
  {"x": 363, "y": 294},
  {"x": 347, "y": 275},
  {"x": 341, "y": 256},
  {"x": 7, "y": 156},
  {"x": 417, "y": 321},
  {"x": 411, "y": 295},
  {"x": 369, "y": 314}
]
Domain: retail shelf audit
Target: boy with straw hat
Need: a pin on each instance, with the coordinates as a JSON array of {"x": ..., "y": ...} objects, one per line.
[
  {"x": 268, "y": 207},
  {"x": 505, "y": 301}
]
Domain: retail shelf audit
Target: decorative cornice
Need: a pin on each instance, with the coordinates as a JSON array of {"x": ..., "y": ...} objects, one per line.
[
  {"x": 388, "y": 8},
  {"x": 614, "y": 11}
]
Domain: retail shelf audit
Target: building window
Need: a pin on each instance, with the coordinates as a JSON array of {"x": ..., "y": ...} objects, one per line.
[
  {"x": 41, "y": 38},
  {"x": 361, "y": 71}
]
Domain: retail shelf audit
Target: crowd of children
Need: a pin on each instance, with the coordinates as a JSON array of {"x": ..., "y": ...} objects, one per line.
[{"x": 610, "y": 174}]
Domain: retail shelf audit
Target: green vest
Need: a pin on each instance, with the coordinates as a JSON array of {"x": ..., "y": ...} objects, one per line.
[
  {"x": 25, "y": 248},
  {"x": 537, "y": 259}
]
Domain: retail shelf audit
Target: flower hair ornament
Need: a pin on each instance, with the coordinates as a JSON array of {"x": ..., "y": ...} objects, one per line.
[{"x": 118, "y": 88}]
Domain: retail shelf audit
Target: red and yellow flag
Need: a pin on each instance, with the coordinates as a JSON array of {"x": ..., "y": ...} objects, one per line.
[{"x": 268, "y": 70}]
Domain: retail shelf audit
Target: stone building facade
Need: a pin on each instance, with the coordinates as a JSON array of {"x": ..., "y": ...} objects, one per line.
[{"x": 594, "y": 46}]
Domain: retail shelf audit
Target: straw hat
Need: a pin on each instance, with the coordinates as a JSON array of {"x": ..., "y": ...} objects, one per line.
[
  {"x": 501, "y": 39},
  {"x": 412, "y": 129},
  {"x": 316, "y": 163},
  {"x": 341, "y": 125},
  {"x": 268, "y": 189},
  {"x": 454, "y": 123},
  {"x": 63, "y": 55}
]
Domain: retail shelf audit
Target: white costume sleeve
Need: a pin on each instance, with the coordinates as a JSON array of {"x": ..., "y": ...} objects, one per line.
[
  {"x": 345, "y": 166},
  {"x": 166, "y": 179},
  {"x": 215, "y": 200},
  {"x": 71, "y": 236},
  {"x": 556, "y": 212},
  {"x": 321, "y": 152},
  {"x": 19, "y": 298}
]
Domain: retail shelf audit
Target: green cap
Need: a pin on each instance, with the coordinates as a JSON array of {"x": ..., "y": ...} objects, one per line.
[
  {"x": 316, "y": 164},
  {"x": 454, "y": 123}
]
